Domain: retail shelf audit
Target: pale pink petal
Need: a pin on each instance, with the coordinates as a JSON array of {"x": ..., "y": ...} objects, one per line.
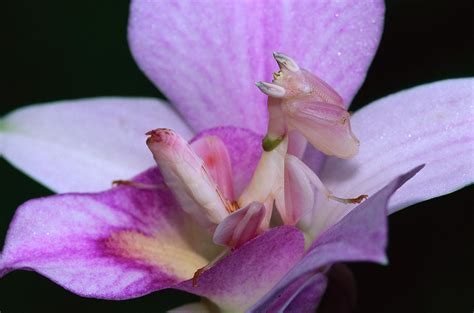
[
  {"x": 244, "y": 148},
  {"x": 241, "y": 226},
  {"x": 430, "y": 124},
  {"x": 205, "y": 56},
  {"x": 118, "y": 244},
  {"x": 83, "y": 145},
  {"x": 216, "y": 158},
  {"x": 246, "y": 274}
]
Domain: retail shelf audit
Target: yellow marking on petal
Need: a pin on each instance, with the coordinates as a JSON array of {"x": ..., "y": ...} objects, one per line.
[{"x": 174, "y": 257}]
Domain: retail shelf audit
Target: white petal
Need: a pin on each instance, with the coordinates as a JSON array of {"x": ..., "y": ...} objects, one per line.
[
  {"x": 83, "y": 145},
  {"x": 431, "y": 124}
]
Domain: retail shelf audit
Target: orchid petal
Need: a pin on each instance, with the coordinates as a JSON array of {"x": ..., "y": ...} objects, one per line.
[
  {"x": 118, "y": 244},
  {"x": 83, "y": 145},
  {"x": 307, "y": 298},
  {"x": 303, "y": 295},
  {"x": 244, "y": 148},
  {"x": 216, "y": 158},
  {"x": 247, "y": 273},
  {"x": 241, "y": 226},
  {"x": 360, "y": 236},
  {"x": 435, "y": 126},
  {"x": 205, "y": 56}
]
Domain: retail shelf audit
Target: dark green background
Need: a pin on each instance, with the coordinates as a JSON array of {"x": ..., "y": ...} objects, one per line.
[{"x": 57, "y": 49}]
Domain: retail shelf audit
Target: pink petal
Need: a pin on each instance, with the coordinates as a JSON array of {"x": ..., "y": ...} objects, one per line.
[
  {"x": 206, "y": 56},
  {"x": 241, "y": 278},
  {"x": 118, "y": 244},
  {"x": 360, "y": 236},
  {"x": 244, "y": 148},
  {"x": 431, "y": 124},
  {"x": 83, "y": 145},
  {"x": 241, "y": 226},
  {"x": 216, "y": 158}
]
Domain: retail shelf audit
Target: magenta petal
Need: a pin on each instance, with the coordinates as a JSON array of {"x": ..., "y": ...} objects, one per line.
[
  {"x": 360, "y": 236},
  {"x": 244, "y": 147},
  {"x": 249, "y": 272},
  {"x": 205, "y": 56},
  {"x": 117, "y": 244},
  {"x": 308, "y": 296}
]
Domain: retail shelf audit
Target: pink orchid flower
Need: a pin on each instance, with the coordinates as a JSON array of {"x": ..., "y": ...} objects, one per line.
[{"x": 127, "y": 241}]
